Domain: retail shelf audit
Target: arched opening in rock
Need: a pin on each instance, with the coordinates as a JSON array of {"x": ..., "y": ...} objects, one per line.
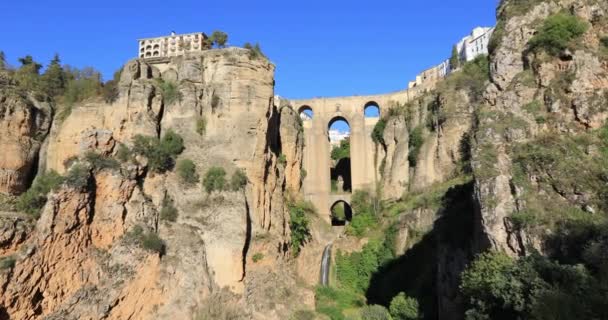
[
  {"x": 338, "y": 134},
  {"x": 371, "y": 110},
  {"x": 341, "y": 213},
  {"x": 305, "y": 113}
]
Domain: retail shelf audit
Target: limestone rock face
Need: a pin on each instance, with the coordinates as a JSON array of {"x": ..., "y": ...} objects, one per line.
[
  {"x": 24, "y": 123},
  {"x": 396, "y": 165},
  {"x": 83, "y": 259}
]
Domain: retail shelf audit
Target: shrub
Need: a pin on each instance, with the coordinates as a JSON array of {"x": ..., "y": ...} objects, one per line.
[
  {"x": 168, "y": 210},
  {"x": 375, "y": 312},
  {"x": 35, "y": 197},
  {"x": 100, "y": 161},
  {"x": 78, "y": 176},
  {"x": 257, "y": 257},
  {"x": 238, "y": 181},
  {"x": 378, "y": 132},
  {"x": 364, "y": 218},
  {"x": 123, "y": 154},
  {"x": 331, "y": 301},
  {"x": 299, "y": 225},
  {"x": 355, "y": 270},
  {"x": 604, "y": 41},
  {"x": 255, "y": 51},
  {"x": 282, "y": 160},
  {"x": 160, "y": 153},
  {"x": 557, "y": 33},
  {"x": 404, "y": 308},
  {"x": 201, "y": 126},
  {"x": 7, "y": 262},
  {"x": 472, "y": 78},
  {"x": 170, "y": 92},
  {"x": 341, "y": 151},
  {"x": 186, "y": 170},
  {"x": 219, "y": 38},
  {"x": 215, "y": 179},
  {"x": 415, "y": 143},
  {"x": 148, "y": 240}
]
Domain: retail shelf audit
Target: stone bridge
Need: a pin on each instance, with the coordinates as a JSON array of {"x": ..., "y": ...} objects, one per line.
[{"x": 317, "y": 149}]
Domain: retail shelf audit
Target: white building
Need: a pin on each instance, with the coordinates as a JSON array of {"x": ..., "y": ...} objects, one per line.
[
  {"x": 474, "y": 44},
  {"x": 172, "y": 45},
  {"x": 335, "y": 136}
]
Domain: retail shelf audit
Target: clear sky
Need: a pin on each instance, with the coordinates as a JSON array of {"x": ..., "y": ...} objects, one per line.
[{"x": 320, "y": 48}]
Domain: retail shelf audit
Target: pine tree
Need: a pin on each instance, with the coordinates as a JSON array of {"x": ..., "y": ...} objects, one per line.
[
  {"x": 2, "y": 60},
  {"x": 219, "y": 38},
  {"x": 454, "y": 59},
  {"x": 54, "y": 79},
  {"x": 28, "y": 74}
]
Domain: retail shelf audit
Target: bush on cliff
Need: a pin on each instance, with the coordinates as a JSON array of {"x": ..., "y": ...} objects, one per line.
[
  {"x": 415, "y": 143},
  {"x": 403, "y": 307},
  {"x": 215, "y": 179},
  {"x": 160, "y": 153},
  {"x": 558, "y": 33},
  {"x": 148, "y": 240},
  {"x": 299, "y": 225},
  {"x": 168, "y": 211},
  {"x": 35, "y": 197},
  {"x": 186, "y": 170},
  {"x": 238, "y": 181}
]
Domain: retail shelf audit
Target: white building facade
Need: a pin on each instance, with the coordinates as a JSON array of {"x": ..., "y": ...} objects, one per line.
[
  {"x": 475, "y": 44},
  {"x": 336, "y": 136},
  {"x": 172, "y": 45}
]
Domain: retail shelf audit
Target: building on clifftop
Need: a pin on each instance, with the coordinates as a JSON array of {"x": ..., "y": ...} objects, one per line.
[
  {"x": 474, "y": 44},
  {"x": 173, "y": 45}
]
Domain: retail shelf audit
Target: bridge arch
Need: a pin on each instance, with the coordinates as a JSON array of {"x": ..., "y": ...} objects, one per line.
[
  {"x": 340, "y": 173},
  {"x": 341, "y": 213},
  {"x": 371, "y": 110},
  {"x": 306, "y": 113}
]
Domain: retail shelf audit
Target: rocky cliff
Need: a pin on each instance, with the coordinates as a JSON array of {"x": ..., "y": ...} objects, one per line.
[{"x": 92, "y": 252}]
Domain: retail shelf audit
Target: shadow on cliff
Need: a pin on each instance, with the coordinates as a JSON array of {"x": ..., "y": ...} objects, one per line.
[{"x": 430, "y": 270}]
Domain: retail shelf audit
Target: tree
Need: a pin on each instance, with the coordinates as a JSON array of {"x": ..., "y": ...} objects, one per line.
[
  {"x": 454, "y": 59},
  {"x": 186, "y": 169},
  {"x": 27, "y": 75},
  {"x": 404, "y": 308},
  {"x": 558, "y": 33},
  {"x": 2, "y": 60},
  {"x": 238, "y": 180},
  {"x": 53, "y": 79},
  {"x": 215, "y": 179},
  {"x": 219, "y": 38}
]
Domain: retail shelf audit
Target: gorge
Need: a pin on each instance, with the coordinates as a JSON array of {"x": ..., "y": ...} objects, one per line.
[{"x": 187, "y": 189}]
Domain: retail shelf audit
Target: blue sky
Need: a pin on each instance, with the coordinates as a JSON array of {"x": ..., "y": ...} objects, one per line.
[{"x": 320, "y": 48}]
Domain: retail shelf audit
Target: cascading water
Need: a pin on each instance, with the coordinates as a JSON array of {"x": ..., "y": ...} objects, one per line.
[{"x": 325, "y": 261}]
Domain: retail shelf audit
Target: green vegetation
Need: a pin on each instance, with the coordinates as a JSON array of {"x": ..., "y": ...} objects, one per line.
[
  {"x": 215, "y": 179},
  {"x": 404, "y": 308},
  {"x": 282, "y": 160},
  {"x": 78, "y": 176},
  {"x": 170, "y": 92},
  {"x": 472, "y": 77},
  {"x": 35, "y": 197},
  {"x": 415, "y": 143},
  {"x": 238, "y": 181},
  {"x": 454, "y": 58},
  {"x": 161, "y": 153},
  {"x": 219, "y": 38},
  {"x": 303, "y": 315},
  {"x": 186, "y": 170},
  {"x": 378, "y": 132},
  {"x": 168, "y": 211},
  {"x": 123, "y": 153},
  {"x": 100, "y": 161},
  {"x": 567, "y": 285},
  {"x": 341, "y": 151},
  {"x": 148, "y": 240},
  {"x": 604, "y": 42},
  {"x": 558, "y": 32},
  {"x": 255, "y": 51},
  {"x": 257, "y": 257},
  {"x": 354, "y": 270},
  {"x": 364, "y": 206},
  {"x": 374, "y": 312},
  {"x": 201, "y": 126},
  {"x": 299, "y": 224},
  {"x": 7, "y": 262},
  {"x": 331, "y": 301}
]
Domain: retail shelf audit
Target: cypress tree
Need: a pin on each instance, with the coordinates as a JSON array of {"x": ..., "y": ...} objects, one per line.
[
  {"x": 53, "y": 79},
  {"x": 454, "y": 59}
]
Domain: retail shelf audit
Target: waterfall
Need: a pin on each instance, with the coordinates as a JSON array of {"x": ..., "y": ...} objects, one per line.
[{"x": 325, "y": 261}]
